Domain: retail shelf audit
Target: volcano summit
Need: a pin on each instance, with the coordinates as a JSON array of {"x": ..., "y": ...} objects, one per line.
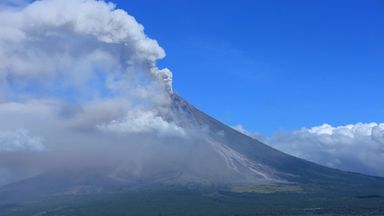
[{"x": 90, "y": 125}]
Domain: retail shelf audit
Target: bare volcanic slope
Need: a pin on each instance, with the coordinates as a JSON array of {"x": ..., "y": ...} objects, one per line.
[
  {"x": 286, "y": 167},
  {"x": 215, "y": 156}
]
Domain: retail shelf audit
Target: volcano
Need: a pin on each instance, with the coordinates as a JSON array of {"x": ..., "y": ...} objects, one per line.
[
  {"x": 221, "y": 159},
  {"x": 90, "y": 125}
]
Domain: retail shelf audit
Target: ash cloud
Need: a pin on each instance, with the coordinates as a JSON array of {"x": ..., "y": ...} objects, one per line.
[
  {"x": 83, "y": 56},
  {"x": 65, "y": 45},
  {"x": 80, "y": 89},
  {"x": 138, "y": 121},
  {"x": 19, "y": 140},
  {"x": 78, "y": 78}
]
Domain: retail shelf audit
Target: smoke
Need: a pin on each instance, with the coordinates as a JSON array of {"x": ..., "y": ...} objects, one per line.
[
  {"x": 74, "y": 75},
  {"x": 19, "y": 140},
  {"x": 80, "y": 89},
  {"x": 84, "y": 56},
  {"x": 355, "y": 147},
  {"x": 139, "y": 121},
  {"x": 64, "y": 45}
]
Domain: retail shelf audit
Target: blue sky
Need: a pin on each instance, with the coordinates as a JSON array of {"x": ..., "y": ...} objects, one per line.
[
  {"x": 273, "y": 65},
  {"x": 267, "y": 65}
]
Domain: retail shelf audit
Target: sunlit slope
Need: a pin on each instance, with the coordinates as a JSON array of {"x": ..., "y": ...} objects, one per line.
[{"x": 287, "y": 167}]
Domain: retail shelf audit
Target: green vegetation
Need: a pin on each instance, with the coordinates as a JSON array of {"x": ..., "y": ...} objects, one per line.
[
  {"x": 268, "y": 188},
  {"x": 239, "y": 201}
]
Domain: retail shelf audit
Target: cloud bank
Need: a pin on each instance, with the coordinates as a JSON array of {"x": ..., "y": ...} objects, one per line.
[{"x": 355, "y": 147}]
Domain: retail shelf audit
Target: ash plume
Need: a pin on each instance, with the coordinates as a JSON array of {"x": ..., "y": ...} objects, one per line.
[{"x": 79, "y": 88}]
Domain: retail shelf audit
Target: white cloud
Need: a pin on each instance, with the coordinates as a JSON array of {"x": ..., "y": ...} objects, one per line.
[
  {"x": 138, "y": 121},
  {"x": 19, "y": 140},
  {"x": 242, "y": 130},
  {"x": 355, "y": 147}
]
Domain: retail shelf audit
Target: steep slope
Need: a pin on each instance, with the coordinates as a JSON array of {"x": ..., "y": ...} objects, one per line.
[
  {"x": 220, "y": 157},
  {"x": 287, "y": 167}
]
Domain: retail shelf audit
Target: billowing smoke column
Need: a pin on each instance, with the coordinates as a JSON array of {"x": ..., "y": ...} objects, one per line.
[
  {"x": 75, "y": 42},
  {"x": 82, "y": 57},
  {"x": 69, "y": 67},
  {"x": 80, "y": 89}
]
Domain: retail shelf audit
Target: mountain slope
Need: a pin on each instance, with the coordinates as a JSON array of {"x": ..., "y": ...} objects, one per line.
[
  {"x": 288, "y": 167},
  {"x": 222, "y": 157}
]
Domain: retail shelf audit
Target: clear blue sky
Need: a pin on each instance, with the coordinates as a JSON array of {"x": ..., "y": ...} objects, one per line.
[{"x": 273, "y": 64}]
